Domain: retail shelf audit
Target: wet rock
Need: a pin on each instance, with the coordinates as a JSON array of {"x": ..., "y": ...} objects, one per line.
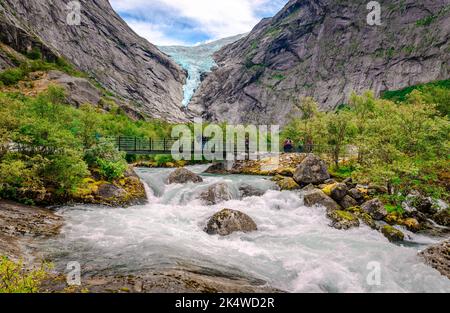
[
  {"x": 228, "y": 221},
  {"x": 312, "y": 170},
  {"x": 288, "y": 183},
  {"x": 183, "y": 176},
  {"x": 412, "y": 224},
  {"x": 438, "y": 256},
  {"x": 217, "y": 168},
  {"x": 348, "y": 202},
  {"x": 216, "y": 193},
  {"x": 368, "y": 220},
  {"x": 342, "y": 219},
  {"x": 392, "y": 234},
  {"x": 356, "y": 194},
  {"x": 318, "y": 197},
  {"x": 250, "y": 191},
  {"x": 375, "y": 208},
  {"x": 442, "y": 217},
  {"x": 20, "y": 223},
  {"x": 330, "y": 181},
  {"x": 338, "y": 192}
]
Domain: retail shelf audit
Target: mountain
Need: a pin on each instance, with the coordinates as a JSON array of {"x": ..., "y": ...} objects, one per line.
[
  {"x": 102, "y": 46},
  {"x": 327, "y": 50},
  {"x": 197, "y": 61}
]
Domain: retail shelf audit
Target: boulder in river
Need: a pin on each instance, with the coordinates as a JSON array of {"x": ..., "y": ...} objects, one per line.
[
  {"x": 356, "y": 194},
  {"x": 216, "y": 193},
  {"x": 442, "y": 217},
  {"x": 288, "y": 183},
  {"x": 228, "y": 221},
  {"x": 421, "y": 203},
  {"x": 438, "y": 256},
  {"x": 375, "y": 208},
  {"x": 392, "y": 234},
  {"x": 312, "y": 170},
  {"x": 318, "y": 197},
  {"x": 342, "y": 219},
  {"x": 183, "y": 176},
  {"x": 250, "y": 191}
]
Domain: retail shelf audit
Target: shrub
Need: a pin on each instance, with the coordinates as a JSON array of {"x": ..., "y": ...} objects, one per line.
[
  {"x": 14, "y": 278},
  {"x": 12, "y": 76},
  {"x": 109, "y": 160},
  {"x": 161, "y": 159}
]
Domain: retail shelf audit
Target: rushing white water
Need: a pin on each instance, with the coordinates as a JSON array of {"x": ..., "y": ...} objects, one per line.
[
  {"x": 294, "y": 249},
  {"x": 196, "y": 60}
]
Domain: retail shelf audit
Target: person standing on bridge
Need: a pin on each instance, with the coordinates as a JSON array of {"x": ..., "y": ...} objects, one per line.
[{"x": 288, "y": 145}]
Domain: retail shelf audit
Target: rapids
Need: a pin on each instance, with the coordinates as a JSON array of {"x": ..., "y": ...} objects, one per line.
[{"x": 294, "y": 249}]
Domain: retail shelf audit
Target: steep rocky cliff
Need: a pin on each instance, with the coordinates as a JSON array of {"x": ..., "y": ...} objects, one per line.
[
  {"x": 326, "y": 49},
  {"x": 102, "y": 46}
]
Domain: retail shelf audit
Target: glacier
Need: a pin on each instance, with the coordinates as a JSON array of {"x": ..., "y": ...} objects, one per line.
[{"x": 196, "y": 60}]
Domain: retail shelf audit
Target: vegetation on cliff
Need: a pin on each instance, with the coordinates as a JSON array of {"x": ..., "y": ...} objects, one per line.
[{"x": 402, "y": 145}]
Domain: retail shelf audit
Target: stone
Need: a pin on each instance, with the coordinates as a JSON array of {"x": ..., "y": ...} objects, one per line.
[
  {"x": 392, "y": 234},
  {"x": 216, "y": 193},
  {"x": 183, "y": 176},
  {"x": 442, "y": 217},
  {"x": 412, "y": 224},
  {"x": 376, "y": 189},
  {"x": 250, "y": 191},
  {"x": 420, "y": 203},
  {"x": 229, "y": 221},
  {"x": 288, "y": 183},
  {"x": 375, "y": 208},
  {"x": 348, "y": 202},
  {"x": 338, "y": 192},
  {"x": 342, "y": 219},
  {"x": 356, "y": 194},
  {"x": 349, "y": 182},
  {"x": 109, "y": 191},
  {"x": 312, "y": 170},
  {"x": 438, "y": 257},
  {"x": 318, "y": 197},
  {"x": 368, "y": 220},
  {"x": 217, "y": 168}
]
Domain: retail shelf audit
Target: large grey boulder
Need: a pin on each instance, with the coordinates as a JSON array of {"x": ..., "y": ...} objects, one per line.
[
  {"x": 374, "y": 208},
  {"x": 339, "y": 191},
  {"x": 313, "y": 196},
  {"x": 342, "y": 219},
  {"x": 183, "y": 176},
  {"x": 216, "y": 193},
  {"x": 228, "y": 221},
  {"x": 312, "y": 170},
  {"x": 246, "y": 190}
]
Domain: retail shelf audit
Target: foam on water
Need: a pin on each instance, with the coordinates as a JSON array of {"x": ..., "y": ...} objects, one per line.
[{"x": 294, "y": 248}]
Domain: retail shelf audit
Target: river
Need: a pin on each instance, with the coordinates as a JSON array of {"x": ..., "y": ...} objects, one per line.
[{"x": 294, "y": 249}]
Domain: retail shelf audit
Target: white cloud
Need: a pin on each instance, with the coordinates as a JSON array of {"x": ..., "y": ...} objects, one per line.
[{"x": 217, "y": 18}]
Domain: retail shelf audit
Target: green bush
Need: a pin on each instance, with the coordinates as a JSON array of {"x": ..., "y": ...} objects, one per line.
[
  {"x": 107, "y": 158},
  {"x": 12, "y": 76},
  {"x": 112, "y": 170},
  {"x": 161, "y": 159},
  {"x": 14, "y": 278}
]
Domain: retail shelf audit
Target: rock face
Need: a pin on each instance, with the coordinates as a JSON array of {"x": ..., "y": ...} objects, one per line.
[
  {"x": 325, "y": 49},
  {"x": 228, "y": 221},
  {"x": 183, "y": 176},
  {"x": 216, "y": 193},
  {"x": 315, "y": 196},
  {"x": 103, "y": 46},
  {"x": 438, "y": 256},
  {"x": 375, "y": 208},
  {"x": 312, "y": 170}
]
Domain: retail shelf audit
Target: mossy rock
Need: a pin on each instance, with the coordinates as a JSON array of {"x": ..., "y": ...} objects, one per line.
[
  {"x": 355, "y": 210},
  {"x": 392, "y": 234},
  {"x": 328, "y": 188},
  {"x": 394, "y": 218},
  {"x": 412, "y": 224},
  {"x": 288, "y": 183},
  {"x": 368, "y": 220},
  {"x": 342, "y": 219}
]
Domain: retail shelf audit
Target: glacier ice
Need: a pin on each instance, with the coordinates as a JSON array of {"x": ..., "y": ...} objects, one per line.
[{"x": 196, "y": 60}]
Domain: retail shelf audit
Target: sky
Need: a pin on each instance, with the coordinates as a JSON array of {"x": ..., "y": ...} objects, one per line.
[{"x": 190, "y": 22}]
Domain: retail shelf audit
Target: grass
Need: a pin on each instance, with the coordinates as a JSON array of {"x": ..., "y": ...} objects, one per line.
[{"x": 401, "y": 95}]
